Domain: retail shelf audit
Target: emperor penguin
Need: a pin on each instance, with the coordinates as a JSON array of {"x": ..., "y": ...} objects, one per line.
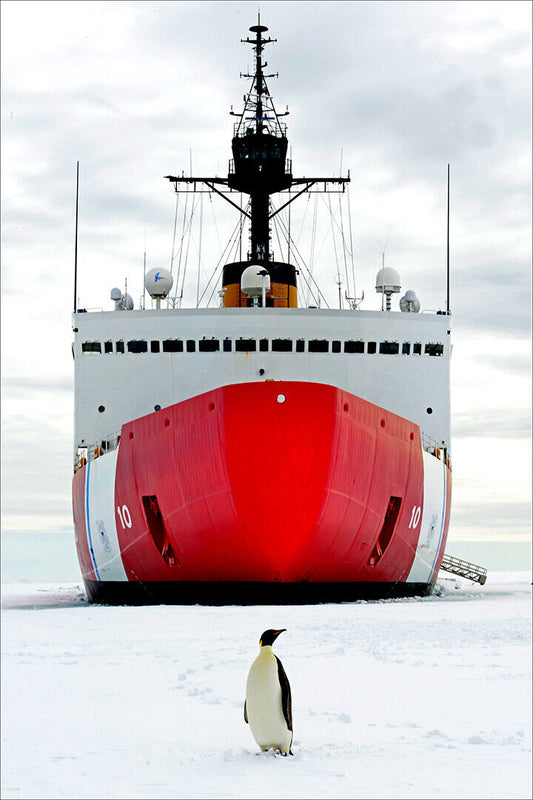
[{"x": 268, "y": 705}]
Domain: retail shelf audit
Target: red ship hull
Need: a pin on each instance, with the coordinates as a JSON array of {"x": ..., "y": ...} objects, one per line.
[{"x": 262, "y": 492}]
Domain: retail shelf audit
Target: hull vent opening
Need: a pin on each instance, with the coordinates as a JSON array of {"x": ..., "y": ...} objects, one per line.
[
  {"x": 158, "y": 532},
  {"x": 385, "y": 534}
]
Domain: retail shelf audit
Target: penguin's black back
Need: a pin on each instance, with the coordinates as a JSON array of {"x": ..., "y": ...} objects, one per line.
[{"x": 286, "y": 699}]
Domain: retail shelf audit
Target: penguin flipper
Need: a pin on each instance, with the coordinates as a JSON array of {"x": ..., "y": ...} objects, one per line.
[
  {"x": 286, "y": 701},
  {"x": 245, "y": 713}
]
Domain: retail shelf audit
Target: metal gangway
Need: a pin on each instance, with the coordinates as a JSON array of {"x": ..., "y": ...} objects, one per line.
[{"x": 464, "y": 568}]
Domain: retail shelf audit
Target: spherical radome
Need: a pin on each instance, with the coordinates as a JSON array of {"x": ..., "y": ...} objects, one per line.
[
  {"x": 388, "y": 280},
  {"x": 252, "y": 280},
  {"x": 158, "y": 282}
]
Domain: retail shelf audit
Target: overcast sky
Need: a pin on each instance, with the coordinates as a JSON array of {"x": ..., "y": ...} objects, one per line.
[{"x": 391, "y": 91}]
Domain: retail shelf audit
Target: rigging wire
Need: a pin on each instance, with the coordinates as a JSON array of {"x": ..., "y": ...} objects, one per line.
[
  {"x": 189, "y": 237},
  {"x": 172, "y": 256},
  {"x": 300, "y": 261},
  {"x": 200, "y": 249},
  {"x": 183, "y": 229},
  {"x": 232, "y": 242},
  {"x": 303, "y": 266},
  {"x": 313, "y": 242},
  {"x": 343, "y": 240},
  {"x": 352, "y": 250},
  {"x": 334, "y": 246}
]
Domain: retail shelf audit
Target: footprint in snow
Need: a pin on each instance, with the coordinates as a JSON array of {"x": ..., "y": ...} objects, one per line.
[{"x": 476, "y": 740}]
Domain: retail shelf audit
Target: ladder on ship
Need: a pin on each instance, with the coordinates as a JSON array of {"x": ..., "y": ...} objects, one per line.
[{"x": 464, "y": 568}]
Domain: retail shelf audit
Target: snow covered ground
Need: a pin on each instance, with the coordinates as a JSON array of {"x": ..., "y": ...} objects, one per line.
[{"x": 419, "y": 698}]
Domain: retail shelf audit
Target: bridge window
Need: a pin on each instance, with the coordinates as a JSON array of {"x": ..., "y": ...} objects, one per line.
[
  {"x": 226, "y": 345},
  {"x": 245, "y": 345},
  {"x": 389, "y": 348},
  {"x": 300, "y": 345},
  {"x": 406, "y": 348},
  {"x": 209, "y": 346},
  {"x": 434, "y": 349},
  {"x": 191, "y": 346},
  {"x": 318, "y": 346},
  {"x": 354, "y": 347},
  {"x": 417, "y": 349},
  {"x": 91, "y": 347},
  {"x": 371, "y": 347},
  {"x": 172, "y": 346},
  {"x": 154, "y": 347},
  {"x": 263, "y": 345},
  {"x": 108, "y": 347},
  {"x": 335, "y": 347},
  {"x": 119, "y": 347},
  {"x": 282, "y": 345},
  {"x": 137, "y": 346}
]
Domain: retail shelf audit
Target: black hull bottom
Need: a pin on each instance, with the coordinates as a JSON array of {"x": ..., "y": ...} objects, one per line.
[{"x": 245, "y": 594}]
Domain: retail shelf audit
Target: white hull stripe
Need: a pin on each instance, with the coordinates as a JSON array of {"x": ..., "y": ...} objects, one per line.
[
  {"x": 88, "y": 521},
  {"x": 102, "y": 536},
  {"x": 432, "y": 522},
  {"x": 443, "y": 517}
]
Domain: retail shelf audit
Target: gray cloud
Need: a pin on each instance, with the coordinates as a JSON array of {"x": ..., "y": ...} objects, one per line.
[
  {"x": 497, "y": 514},
  {"x": 499, "y": 424},
  {"x": 135, "y": 90}
]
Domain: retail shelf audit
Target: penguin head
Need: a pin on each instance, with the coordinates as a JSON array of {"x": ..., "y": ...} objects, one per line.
[{"x": 269, "y": 637}]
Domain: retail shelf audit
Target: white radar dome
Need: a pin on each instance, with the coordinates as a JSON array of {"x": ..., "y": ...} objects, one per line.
[
  {"x": 252, "y": 280},
  {"x": 158, "y": 283},
  {"x": 410, "y": 302},
  {"x": 388, "y": 280}
]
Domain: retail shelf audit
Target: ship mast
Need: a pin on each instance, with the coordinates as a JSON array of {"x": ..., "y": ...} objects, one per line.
[{"x": 259, "y": 166}]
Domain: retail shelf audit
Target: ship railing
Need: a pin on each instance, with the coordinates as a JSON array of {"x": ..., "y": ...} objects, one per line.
[
  {"x": 85, "y": 453},
  {"x": 437, "y": 449},
  {"x": 275, "y": 127},
  {"x": 288, "y": 167}
]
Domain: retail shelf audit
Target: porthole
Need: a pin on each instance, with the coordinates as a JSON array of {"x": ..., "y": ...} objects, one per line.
[
  {"x": 261, "y": 371},
  {"x": 281, "y": 398},
  {"x": 429, "y": 410},
  {"x": 346, "y": 407},
  {"x": 382, "y": 423},
  {"x": 157, "y": 407},
  {"x": 411, "y": 436},
  {"x": 101, "y": 409}
]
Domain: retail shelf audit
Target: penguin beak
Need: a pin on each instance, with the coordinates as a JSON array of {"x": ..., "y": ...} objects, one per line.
[{"x": 281, "y": 631}]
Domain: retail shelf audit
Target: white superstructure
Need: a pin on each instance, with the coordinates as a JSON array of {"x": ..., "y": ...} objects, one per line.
[{"x": 130, "y": 363}]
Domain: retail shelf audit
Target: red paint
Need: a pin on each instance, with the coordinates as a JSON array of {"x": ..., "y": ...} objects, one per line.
[{"x": 252, "y": 489}]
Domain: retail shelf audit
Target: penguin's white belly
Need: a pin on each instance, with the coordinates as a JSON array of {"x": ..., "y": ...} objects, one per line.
[{"x": 263, "y": 705}]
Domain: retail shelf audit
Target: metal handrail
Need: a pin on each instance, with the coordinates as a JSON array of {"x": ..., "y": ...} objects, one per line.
[
  {"x": 109, "y": 443},
  {"x": 85, "y": 453}
]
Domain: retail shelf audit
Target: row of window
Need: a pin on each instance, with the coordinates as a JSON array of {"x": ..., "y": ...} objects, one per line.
[{"x": 263, "y": 345}]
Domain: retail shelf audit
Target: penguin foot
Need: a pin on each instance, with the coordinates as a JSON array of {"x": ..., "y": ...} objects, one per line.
[{"x": 274, "y": 751}]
